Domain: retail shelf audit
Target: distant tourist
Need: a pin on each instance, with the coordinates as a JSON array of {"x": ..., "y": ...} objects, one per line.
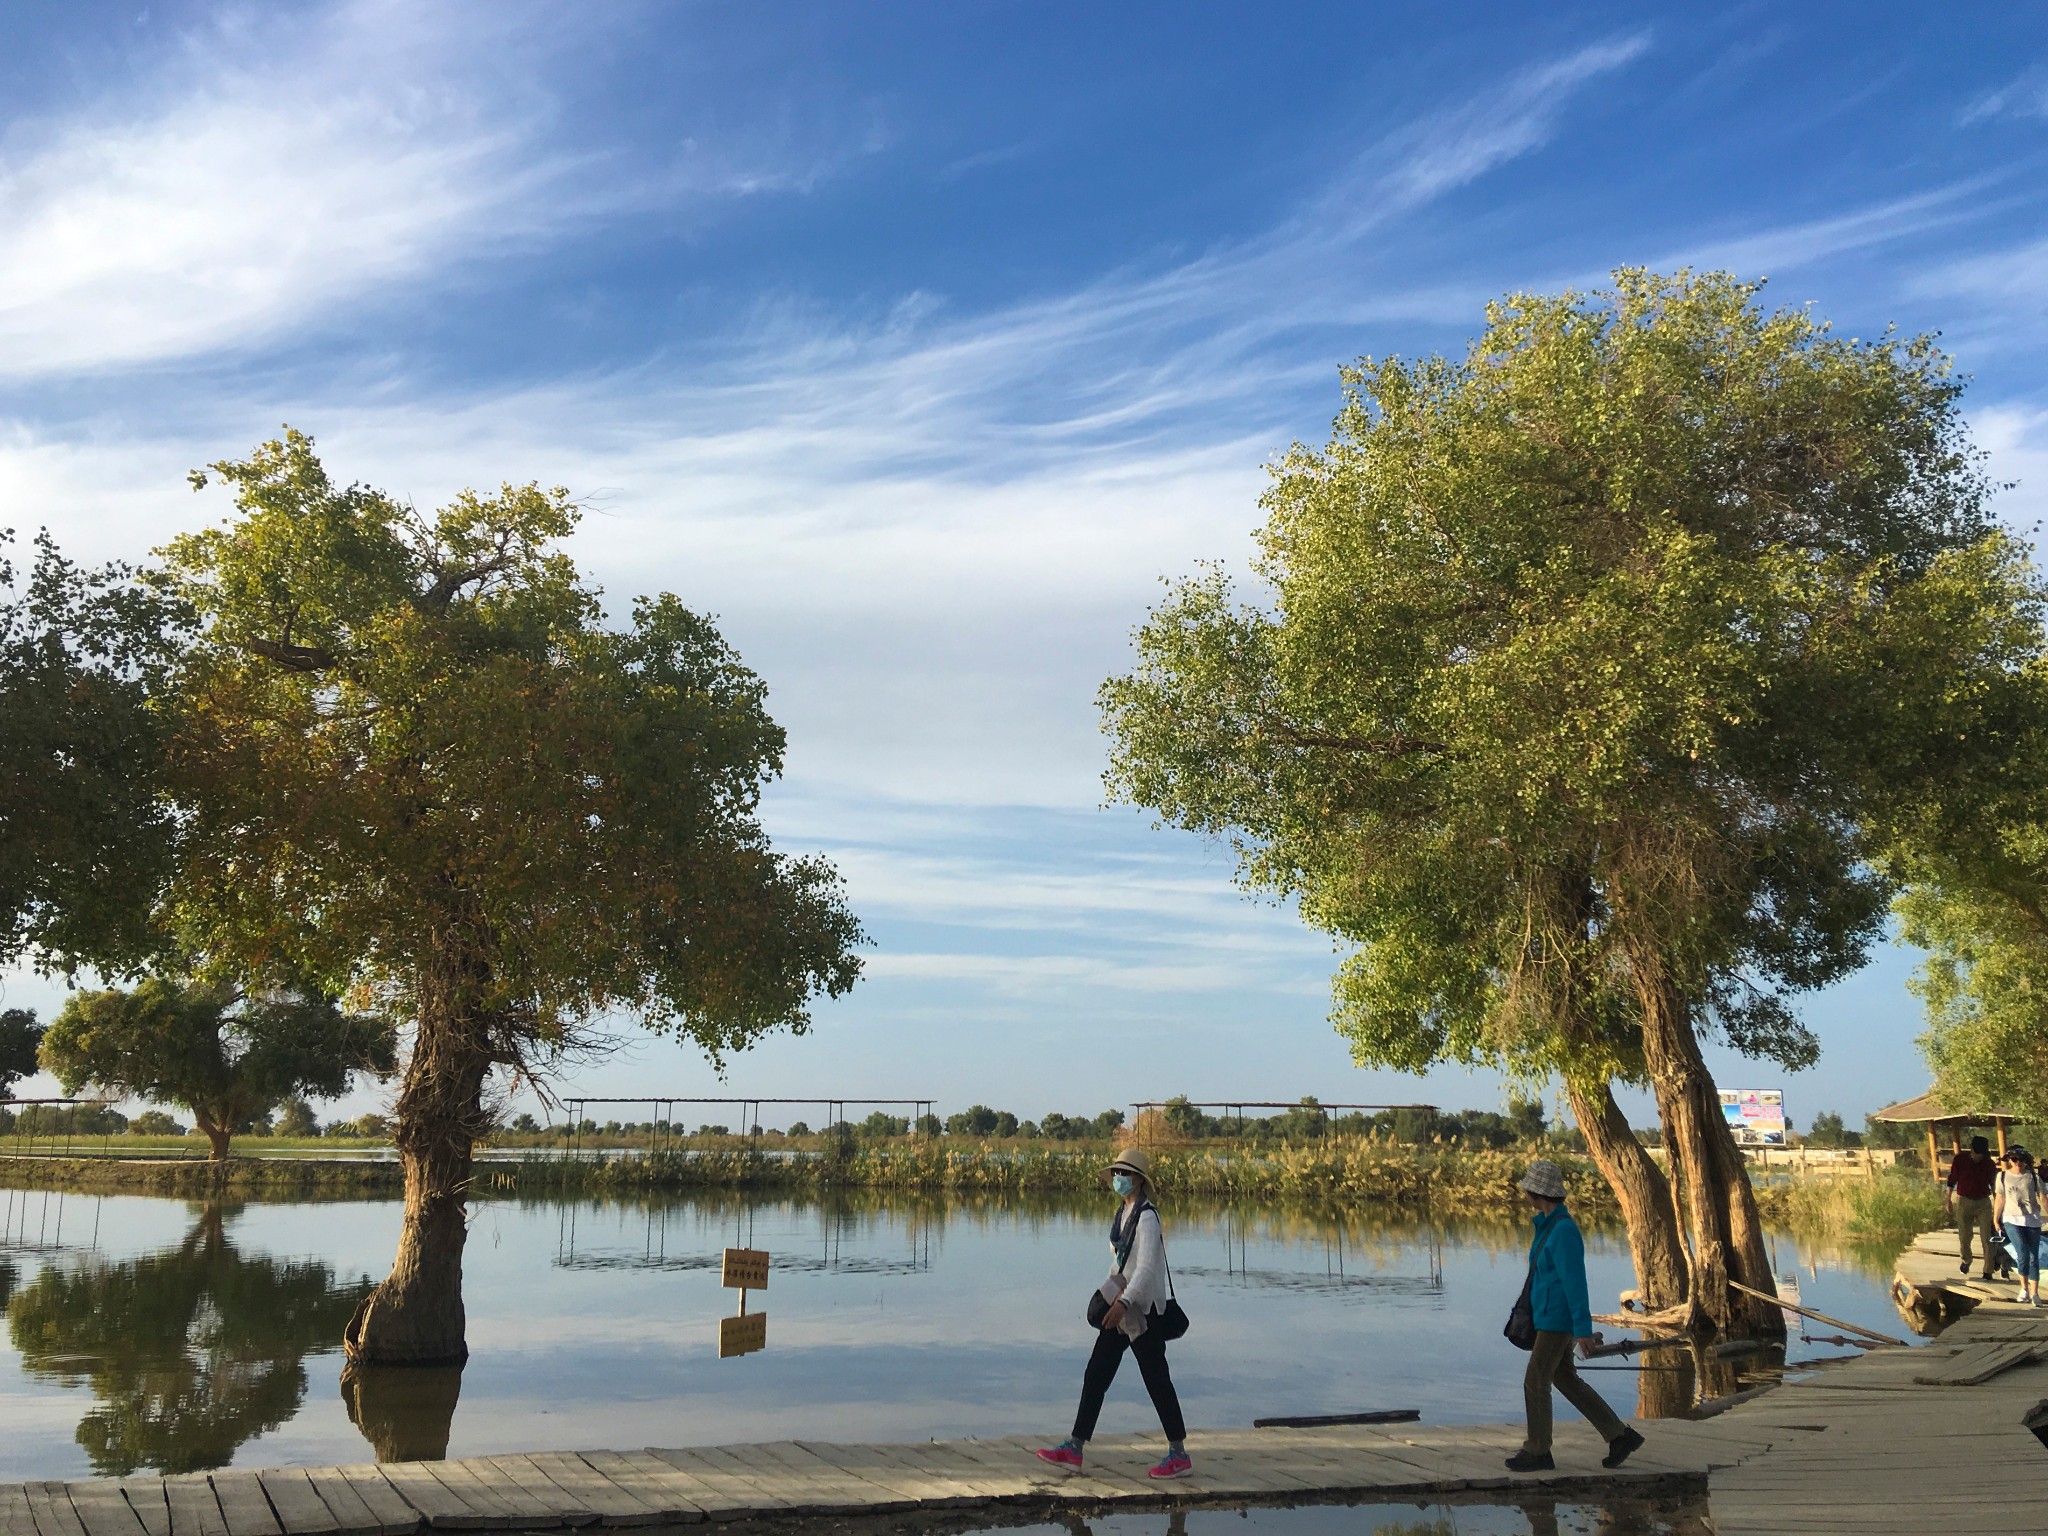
[
  {"x": 2018, "y": 1201},
  {"x": 1132, "y": 1305},
  {"x": 1969, "y": 1201},
  {"x": 1562, "y": 1313}
]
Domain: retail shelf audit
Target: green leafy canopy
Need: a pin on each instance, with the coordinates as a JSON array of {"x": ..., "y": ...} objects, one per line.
[
  {"x": 419, "y": 763},
  {"x": 227, "y": 1057},
  {"x": 1607, "y": 650}
]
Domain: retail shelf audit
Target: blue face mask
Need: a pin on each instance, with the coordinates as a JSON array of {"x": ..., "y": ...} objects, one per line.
[{"x": 1122, "y": 1183}]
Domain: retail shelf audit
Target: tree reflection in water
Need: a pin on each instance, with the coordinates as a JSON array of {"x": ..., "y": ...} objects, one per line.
[
  {"x": 404, "y": 1411},
  {"x": 191, "y": 1351}
]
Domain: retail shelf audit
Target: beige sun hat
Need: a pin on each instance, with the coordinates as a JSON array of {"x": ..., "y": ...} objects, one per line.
[
  {"x": 1132, "y": 1160},
  {"x": 1544, "y": 1178}
]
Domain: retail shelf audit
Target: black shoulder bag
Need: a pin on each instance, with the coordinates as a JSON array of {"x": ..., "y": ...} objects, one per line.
[
  {"x": 1521, "y": 1328},
  {"x": 1171, "y": 1320}
]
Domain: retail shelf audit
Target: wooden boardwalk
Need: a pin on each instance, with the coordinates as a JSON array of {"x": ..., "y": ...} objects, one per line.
[
  {"x": 790, "y": 1479},
  {"x": 1905, "y": 1441},
  {"x": 1930, "y": 1267}
]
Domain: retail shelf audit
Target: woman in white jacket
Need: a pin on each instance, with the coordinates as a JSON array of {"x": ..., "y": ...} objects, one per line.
[{"x": 1136, "y": 1289}]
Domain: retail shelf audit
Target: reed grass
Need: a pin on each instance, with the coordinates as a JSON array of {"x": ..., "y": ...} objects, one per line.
[
  {"x": 1363, "y": 1172},
  {"x": 1896, "y": 1204}
]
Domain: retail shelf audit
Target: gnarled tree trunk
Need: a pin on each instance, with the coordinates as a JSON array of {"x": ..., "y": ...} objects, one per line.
[
  {"x": 1645, "y": 1195},
  {"x": 217, "y": 1132},
  {"x": 1721, "y": 1214},
  {"x": 415, "y": 1317}
]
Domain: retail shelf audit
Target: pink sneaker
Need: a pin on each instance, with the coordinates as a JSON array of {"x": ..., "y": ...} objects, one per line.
[
  {"x": 1172, "y": 1466},
  {"x": 1066, "y": 1455}
]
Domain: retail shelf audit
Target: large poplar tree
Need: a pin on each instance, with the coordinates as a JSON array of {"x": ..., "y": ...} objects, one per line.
[
  {"x": 1584, "y": 672},
  {"x": 417, "y": 765}
]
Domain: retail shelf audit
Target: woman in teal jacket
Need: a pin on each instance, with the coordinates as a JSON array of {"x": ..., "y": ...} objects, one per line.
[{"x": 1562, "y": 1312}]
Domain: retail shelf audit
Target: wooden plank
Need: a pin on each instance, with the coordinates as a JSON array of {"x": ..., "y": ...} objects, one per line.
[
  {"x": 1979, "y": 1363},
  {"x": 494, "y": 1496},
  {"x": 299, "y": 1509},
  {"x": 431, "y": 1497},
  {"x": 103, "y": 1511},
  {"x": 584, "y": 1492},
  {"x": 711, "y": 1489},
  {"x": 15, "y": 1517},
  {"x": 243, "y": 1506},
  {"x": 368, "y": 1483},
  {"x": 734, "y": 1483},
  {"x": 648, "y": 1480},
  {"x": 520, "y": 1470},
  {"x": 861, "y": 1475},
  {"x": 195, "y": 1510},
  {"x": 887, "y": 1471},
  {"x": 145, "y": 1496},
  {"x": 352, "y": 1515},
  {"x": 50, "y": 1506},
  {"x": 1002, "y": 1470}
]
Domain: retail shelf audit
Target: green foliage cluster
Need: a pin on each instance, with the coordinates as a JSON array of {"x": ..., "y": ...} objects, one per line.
[
  {"x": 423, "y": 764},
  {"x": 64, "y": 1120},
  {"x": 1587, "y": 663},
  {"x": 86, "y": 836},
  {"x": 1524, "y": 1123},
  {"x": 1983, "y": 919},
  {"x": 21, "y": 1038},
  {"x": 1828, "y": 1133},
  {"x": 229, "y": 1057}
]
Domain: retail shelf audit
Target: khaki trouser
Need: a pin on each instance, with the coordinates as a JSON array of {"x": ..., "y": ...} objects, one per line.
[
  {"x": 1974, "y": 1216},
  {"x": 1550, "y": 1365}
]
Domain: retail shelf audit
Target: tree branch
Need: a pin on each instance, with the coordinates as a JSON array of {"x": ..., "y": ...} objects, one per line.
[{"x": 293, "y": 658}]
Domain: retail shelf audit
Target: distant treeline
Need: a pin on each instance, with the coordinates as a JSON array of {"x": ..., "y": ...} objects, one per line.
[
  {"x": 294, "y": 1119},
  {"x": 1177, "y": 1121}
]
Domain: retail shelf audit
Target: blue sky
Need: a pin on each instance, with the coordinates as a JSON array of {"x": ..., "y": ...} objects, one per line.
[{"x": 918, "y": 342}]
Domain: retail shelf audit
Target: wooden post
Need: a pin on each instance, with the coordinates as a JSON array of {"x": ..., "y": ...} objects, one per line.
[
  {"x": 1998, "y": 1122},
  {"x": 1933, "y": 1154}
]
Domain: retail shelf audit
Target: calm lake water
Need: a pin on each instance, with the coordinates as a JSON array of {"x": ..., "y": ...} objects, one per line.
[{"x": 157, "y": 1334}]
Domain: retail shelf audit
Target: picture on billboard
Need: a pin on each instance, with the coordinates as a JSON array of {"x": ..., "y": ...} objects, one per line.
[{"x": 1755, "y": 1116}]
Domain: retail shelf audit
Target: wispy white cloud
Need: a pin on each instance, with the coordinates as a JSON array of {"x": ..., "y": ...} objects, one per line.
[
  {"x": 294, "y": 170},
  {"x": 1037, "y": 976},
  {"x": 1780, "y": 247},
  {"x": 1521, "y": 116},
  {"x": 273, "y": 170},
  {"x": 2024, "y": 96}
]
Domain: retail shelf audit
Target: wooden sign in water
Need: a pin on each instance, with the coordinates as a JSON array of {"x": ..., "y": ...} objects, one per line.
[
  {"x": 742, "y": 1335},
  {"x": 745, "y": 1269}
]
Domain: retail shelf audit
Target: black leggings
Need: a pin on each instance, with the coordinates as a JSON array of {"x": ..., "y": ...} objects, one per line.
[{"x": 1150, "y": 1349}]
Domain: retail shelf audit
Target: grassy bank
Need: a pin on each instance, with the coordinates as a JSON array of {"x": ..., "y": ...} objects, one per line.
[
  {"x": 1366, "y": 1171},
  {"x": 1355, "y": 1171}
]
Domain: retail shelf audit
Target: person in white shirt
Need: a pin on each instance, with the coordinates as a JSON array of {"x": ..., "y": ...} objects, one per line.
[
  {"x": 2016, "y": 1207},
  {"x": 1137, "y": 1291}
]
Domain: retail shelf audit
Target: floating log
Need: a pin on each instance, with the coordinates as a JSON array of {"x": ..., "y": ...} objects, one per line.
[
  {"x": 1325, "y": 1420},
  {"x": 1818, "y": 1317}
]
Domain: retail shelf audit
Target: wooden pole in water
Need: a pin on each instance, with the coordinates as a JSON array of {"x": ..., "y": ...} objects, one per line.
[{"x": 1819, "y": 1317}]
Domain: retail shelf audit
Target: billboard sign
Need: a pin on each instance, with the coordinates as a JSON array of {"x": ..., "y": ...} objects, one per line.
[{"x": 1755, "y": 1116}]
